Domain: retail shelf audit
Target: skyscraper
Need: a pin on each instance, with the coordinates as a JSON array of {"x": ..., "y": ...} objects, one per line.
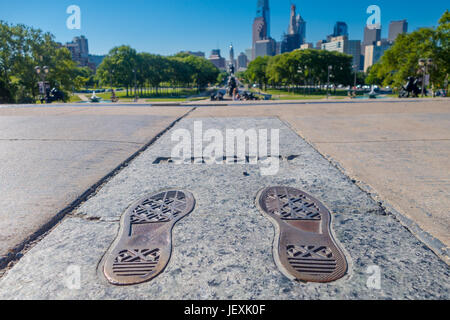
[
  {"x": 263, "y": 11},
  {"x": 396, "y": 28},
  {"x": 340, "y": 29},
  {"x": 217, "y": 60},
  {"x": 296, "y": 35},
  {"x": 242, "y": 62},
  {"x": 267, "y": 47},
  {"x": 343, "y": 45},
  {"x": 79, "y": 48},
  {"x": 249, "y": 54},
  {"x": 374, "y": 52},
  {"x": 371, "y": 36},
  {"x": 262, "y": 44}
]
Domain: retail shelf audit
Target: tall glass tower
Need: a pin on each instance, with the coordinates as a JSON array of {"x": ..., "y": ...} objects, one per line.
[
  {"x": 340, "y": 29},
  {"x": 263, "y": 11}
]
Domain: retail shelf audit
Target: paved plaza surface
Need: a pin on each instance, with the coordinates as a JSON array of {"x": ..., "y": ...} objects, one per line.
[
  {"x": 51, "y": 156},
  {"x": 399, "y": 151},
  {"x": 360, "y": 159}
]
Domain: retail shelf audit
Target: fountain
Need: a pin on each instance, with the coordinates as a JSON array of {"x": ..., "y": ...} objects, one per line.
[
  {"x": 373, "y": 94},
  {"x": 94, "y": 98}
]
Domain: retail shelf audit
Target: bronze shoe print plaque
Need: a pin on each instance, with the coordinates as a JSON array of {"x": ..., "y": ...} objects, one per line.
[
  {"x": 143, "y": 246},
  {"x": 304, "y": 248}
]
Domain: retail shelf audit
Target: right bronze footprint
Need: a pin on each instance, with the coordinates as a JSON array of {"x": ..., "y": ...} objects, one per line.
[{"x": 304, "y": 248}]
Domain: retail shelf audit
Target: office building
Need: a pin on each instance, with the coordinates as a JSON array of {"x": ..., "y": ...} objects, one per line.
[
  {"x": 374, "y": 52},
  {"x": 217, "y": 59},
  {"x": 307, "y": 46},
  {"x": 249, "y": 54},
  {"x": 343, "y": 45},
  {"x": 296, "y": 35},
  {"x": 319, "y": 44},
  {"x": 199, "y": 54},
  {"x": 263, "y": 11},
  {"x": 371, "y": 36},
  {"x": 262, "y": 43},
  {"x": 265, "y": 47},
  {"x": 79, "y": 48},
  {"x": 396, "y": 28},
  {"x": 242, "y": 62},
  {"x": 340, "y": 29}
]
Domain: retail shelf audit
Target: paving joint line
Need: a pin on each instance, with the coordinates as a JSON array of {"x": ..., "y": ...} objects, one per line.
[
  {"x": 16, "y": 253},
  {"x": 432, "y": 243}
]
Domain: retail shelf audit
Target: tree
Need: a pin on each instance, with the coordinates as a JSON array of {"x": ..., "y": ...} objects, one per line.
[
  {"x": 257, "y": 71},
  {"x": 401, "y": 60},
  {"x": 117, "y": 67},
  {"x": 301, "y": 67},
  {"x": 222, "y": 77},
  {"x": 22, "y": 49},
  {"x": 442, "y": 54},
  {"x": 84, "y": 77},
  {"x": 202, "y": 71}
]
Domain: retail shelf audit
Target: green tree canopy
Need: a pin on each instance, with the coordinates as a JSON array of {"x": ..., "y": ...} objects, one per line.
[
  {"x": 401, "y": 60},
  {"x": 301, "y": 67},
  {"x": 22, "y": 49},
  {"x": 118, "y": 67}
]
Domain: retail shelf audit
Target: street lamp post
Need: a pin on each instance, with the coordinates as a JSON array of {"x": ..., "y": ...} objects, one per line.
[
  {"x": 328, "y": 80},
  {"x": 42, "y": 72},
  {"x": 424, "y": 65},
  {"x": 355, "y": 68}
]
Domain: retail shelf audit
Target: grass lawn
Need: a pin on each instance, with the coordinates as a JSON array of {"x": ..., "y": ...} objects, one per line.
[
  {"x": 74, "y": 98},
  {"x": 285, "y": 95},
  {"x": 296, "y": 97},
  {"x": 166, "y": 100},
  {"x": 339, "y": 94},
  {"x": 175, "y": 99},
  {"x": 165, "y": 95}
]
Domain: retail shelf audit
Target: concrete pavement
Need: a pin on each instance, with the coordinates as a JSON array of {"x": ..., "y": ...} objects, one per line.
[
  {"x": 223, "y": 250},
  {"x": 398, "y": 151},
  {"x": 51, "y": 156}
]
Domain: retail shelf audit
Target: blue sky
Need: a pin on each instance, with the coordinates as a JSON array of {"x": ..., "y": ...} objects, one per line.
[{"x": 168, "y": 26}]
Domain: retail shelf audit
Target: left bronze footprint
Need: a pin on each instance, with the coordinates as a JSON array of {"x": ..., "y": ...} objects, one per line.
[{"x": 143, "y": 246}]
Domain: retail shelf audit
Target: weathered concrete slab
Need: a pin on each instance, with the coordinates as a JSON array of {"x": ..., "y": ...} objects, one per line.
[
  {"x": 51, "y": 155},
  {"x": 223, "y": 249},
  {"x": 404, "y": 157},
  {"x": 397, "y": 149}
]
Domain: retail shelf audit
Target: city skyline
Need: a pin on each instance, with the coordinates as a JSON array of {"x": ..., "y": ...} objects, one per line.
[{"x": 207, "y": 33}]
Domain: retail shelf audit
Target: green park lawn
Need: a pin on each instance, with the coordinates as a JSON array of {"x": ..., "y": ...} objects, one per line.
[
  {"x": 285, "y": 95},
  {"x": 74, "y": 98},
  {"x": 164, "y": 95}
]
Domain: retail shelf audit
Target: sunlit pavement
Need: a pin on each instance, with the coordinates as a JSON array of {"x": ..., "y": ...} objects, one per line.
[{"x": 223, "y": 249}]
